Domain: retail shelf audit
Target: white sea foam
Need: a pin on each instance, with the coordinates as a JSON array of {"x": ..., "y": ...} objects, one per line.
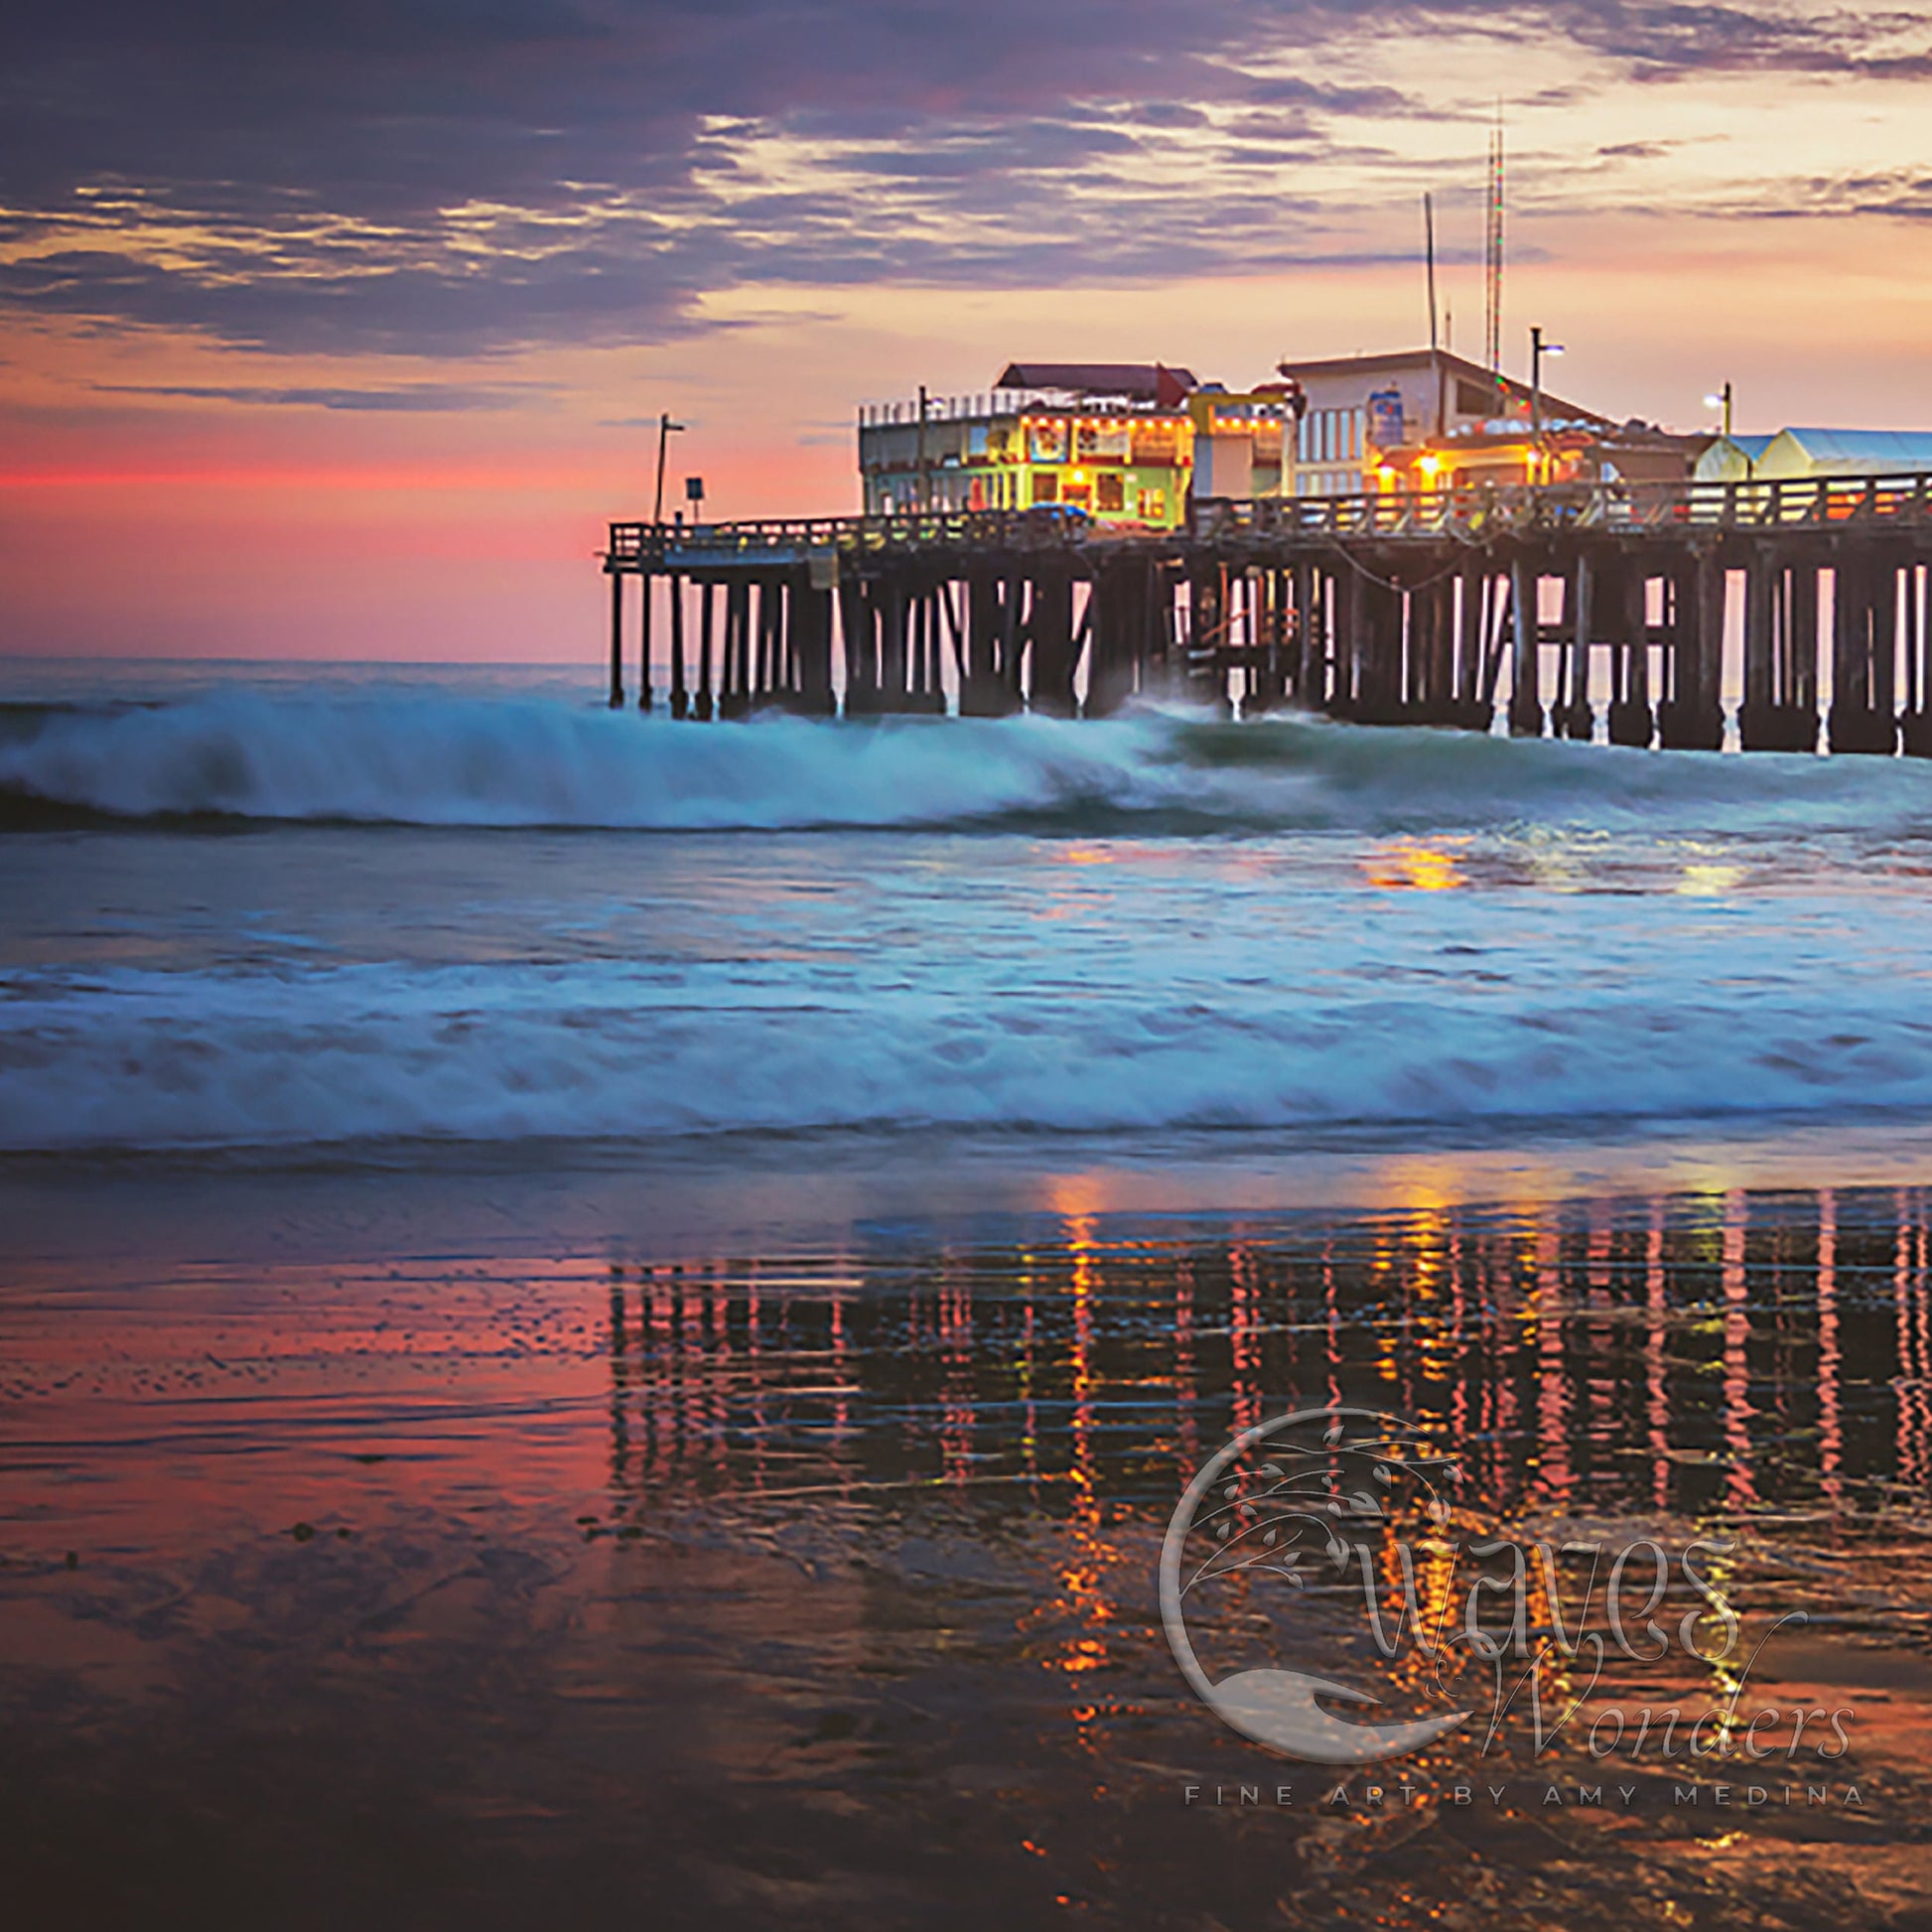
[
  {"x": 451, "y": 760},
  {"x": 493, "y": 1054}
]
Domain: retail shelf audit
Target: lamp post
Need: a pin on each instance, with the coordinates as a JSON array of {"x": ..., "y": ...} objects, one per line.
[
  {"x": 665, "y": 427},
  {"x": 924, "y": 481},
  {"x": 1721, "y": 400},
  {"x": 1539, "y": 348}
]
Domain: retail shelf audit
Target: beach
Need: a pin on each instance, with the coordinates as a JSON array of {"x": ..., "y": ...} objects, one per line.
[{"x": 611, "y": 1315}]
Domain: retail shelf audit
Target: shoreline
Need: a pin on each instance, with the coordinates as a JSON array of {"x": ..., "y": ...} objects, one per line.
[{"x": 763, "y": 1193}]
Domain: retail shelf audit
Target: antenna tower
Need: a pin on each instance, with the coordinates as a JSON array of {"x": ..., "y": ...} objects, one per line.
[
  {"x": 1429, "y": 246},
  {"x": 1493, "y": 254}
]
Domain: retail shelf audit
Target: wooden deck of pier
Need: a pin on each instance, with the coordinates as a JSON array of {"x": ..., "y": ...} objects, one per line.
[{"x": 1436, "y": 609}]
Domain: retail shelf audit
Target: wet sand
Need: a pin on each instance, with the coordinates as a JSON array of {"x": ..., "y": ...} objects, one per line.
[{"x": 477, "y": 1550}]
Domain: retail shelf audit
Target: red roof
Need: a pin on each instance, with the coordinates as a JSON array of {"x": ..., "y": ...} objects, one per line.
[{"x": 1141, "y": 381}]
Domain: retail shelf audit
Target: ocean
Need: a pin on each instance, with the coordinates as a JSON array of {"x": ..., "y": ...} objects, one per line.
[{"x": 598, "y": 1309}]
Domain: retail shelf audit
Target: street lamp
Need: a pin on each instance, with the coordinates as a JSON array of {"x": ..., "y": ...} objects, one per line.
[
  {"x": 1721, "y": 402},
  {"x": 1539, "y": 348},
  {"x": 925, "y": 481},
  {"x": 665, "y": 427}
]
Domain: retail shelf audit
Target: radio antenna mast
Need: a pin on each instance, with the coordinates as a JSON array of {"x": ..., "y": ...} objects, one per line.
[
  {"x": 1493, "y": 254},
  {"x": 1429, "y": 246}
]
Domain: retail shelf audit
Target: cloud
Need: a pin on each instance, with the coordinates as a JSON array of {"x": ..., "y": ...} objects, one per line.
[
  {"x": 414, "y": 398},
  {"x": 451, "y": 177}
]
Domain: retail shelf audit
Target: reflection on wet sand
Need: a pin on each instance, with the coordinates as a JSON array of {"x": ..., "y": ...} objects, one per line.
[
  {"x": 1726, "y": 1355},
  {"x": 820, "y": 1586}
]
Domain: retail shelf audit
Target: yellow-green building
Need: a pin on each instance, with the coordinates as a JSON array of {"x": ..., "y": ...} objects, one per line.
[{"x": 1114, "y": 440}]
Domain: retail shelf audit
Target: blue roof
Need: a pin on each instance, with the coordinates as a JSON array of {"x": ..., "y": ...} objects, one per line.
[{"x": 1890, "y": 448}]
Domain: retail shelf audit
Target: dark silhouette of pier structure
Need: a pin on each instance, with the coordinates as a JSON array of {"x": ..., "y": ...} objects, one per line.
[
  {"x": 1440, "y": 608},
  {"x": 1737, "y": 1353}
]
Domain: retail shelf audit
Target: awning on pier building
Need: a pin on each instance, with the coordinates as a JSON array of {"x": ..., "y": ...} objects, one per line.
[
  {"x": 1732, "y": 459},
  {"x": 1801, "y": 453}
]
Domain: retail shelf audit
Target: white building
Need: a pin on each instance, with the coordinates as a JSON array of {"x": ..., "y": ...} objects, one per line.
[{"x": 1361, "y": 405}]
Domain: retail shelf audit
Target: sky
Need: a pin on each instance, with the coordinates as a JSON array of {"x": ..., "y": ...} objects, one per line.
[{"x": 342, "y": 332}]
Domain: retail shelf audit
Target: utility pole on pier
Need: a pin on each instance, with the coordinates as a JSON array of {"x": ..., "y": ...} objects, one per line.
[
  {"x": 665, "y": 428},
  {"x": 925, "y": 502},
  {"x": 1539, "y": 348}
]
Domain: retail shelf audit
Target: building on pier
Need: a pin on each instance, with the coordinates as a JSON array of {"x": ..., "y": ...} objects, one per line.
[
  {"x": 1114, "y": 440},
  {"x": 1131, "y": 445},
  {"x": 1502, "y": 452},
  {"x": 1362, "y": 410}
]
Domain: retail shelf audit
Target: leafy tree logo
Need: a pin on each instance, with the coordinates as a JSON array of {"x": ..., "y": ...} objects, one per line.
[{"x": 1284, "y": 1500}]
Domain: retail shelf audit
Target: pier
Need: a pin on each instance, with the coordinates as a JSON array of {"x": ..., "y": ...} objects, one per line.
[{"x": 1553, "y": 607}]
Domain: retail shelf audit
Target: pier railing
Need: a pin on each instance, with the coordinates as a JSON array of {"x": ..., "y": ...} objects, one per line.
[
  {"x": 1482, "y": 511},
  {"x": 1047, "y": 527},
  {"x": 1477, "y": 514}
]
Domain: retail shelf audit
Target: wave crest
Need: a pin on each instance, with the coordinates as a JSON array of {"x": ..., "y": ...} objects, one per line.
[{"x": 521, "y": 761}]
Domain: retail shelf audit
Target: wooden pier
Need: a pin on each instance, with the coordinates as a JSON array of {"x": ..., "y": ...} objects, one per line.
[{"x": 1445, "y": 608}]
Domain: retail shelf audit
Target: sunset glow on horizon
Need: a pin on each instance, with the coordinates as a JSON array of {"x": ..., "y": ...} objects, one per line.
[{"x": 346, "y": 339}]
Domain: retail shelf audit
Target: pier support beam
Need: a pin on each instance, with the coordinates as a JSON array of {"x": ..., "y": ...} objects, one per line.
[
  {"x": 1630, "y": 721},
  {"x": 766, "y": 667},
  {"x": 1570, "y": 716},
  {"x": 1311, "y": 640},
  {"x": 649, "y": 585},
  {"x": 1207, "y": 620},
  {"x": 1864, "y": 640},
  {"x": 1053, "y": 642},
  {"x": 986, "y": 691},
  {"x": 680, "y": 695},
  {"x": 616, "y": 638},
  {"x": 1779, "y": 712},
  {"x": 1915, "y": 726},
  {"x": 1525, "y": 668},
  {"x": 702, "y": 707},
  {"x": 733, "y": 668},
  {"x": 1119, "y": 629},
  {"x": 1691, "y": 716},
  {"x": 1470, "y": 594},
  {"x": 859, "y": 638},
  {"x": 811, "y": 608}
]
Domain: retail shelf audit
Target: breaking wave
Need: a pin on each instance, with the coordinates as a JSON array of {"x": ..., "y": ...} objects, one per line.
[
  {"x": 164, "y": 1060},
  {"x": 521, "y": 761}
]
